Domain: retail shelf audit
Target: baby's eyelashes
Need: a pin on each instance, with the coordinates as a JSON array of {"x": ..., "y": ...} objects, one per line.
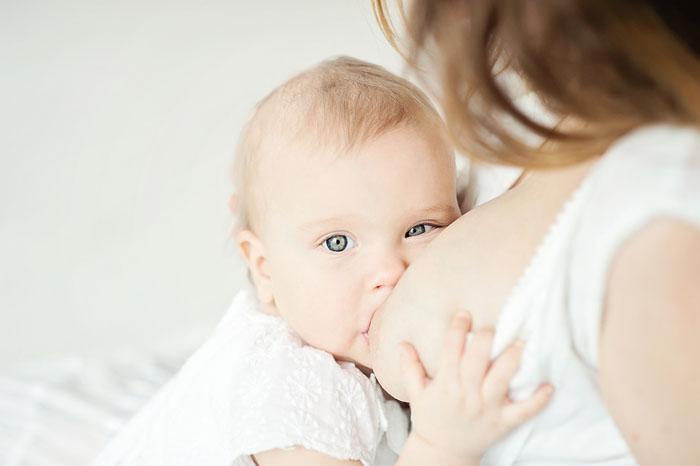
[
  {"x": 420, "y": 229},
  {"x": 338, "y": 243}
]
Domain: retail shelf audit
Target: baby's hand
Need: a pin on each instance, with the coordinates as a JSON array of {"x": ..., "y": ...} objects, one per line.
[{"x": 465, "y": 408}]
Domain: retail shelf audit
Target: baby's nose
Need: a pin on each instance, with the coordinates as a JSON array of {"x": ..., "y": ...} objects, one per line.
[{"x": 387, "y": 271}]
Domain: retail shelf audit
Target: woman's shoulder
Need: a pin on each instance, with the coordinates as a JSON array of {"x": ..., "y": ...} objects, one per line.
[
  {"x": 664, "y": 157},
  {"x": 673, "y": 137},
  {"x": 636, "y": 271},
  {"x": 653, "y": 173}
]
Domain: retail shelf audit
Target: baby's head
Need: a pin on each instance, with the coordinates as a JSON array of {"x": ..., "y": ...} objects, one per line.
[{"x": 342, "y": 177}]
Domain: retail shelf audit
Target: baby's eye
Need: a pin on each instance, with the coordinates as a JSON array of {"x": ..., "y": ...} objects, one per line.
[
  {"x": 419, "y": 229},
  {"x": 338, "y": 243}
]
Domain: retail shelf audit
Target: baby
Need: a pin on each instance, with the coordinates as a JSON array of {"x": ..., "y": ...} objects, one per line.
[{"x": 343, "y": 176}]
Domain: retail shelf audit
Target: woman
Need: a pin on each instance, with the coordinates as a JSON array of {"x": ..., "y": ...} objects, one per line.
[{"x": 593, "y": 257}]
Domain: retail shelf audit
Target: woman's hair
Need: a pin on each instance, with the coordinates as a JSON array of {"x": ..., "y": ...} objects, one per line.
[
  {"x": 334, "y": 106},
  {"x": 599, "y": 68}
]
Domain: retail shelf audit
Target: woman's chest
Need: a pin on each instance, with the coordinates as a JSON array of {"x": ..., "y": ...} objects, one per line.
[{"x": 484, "y": 259}]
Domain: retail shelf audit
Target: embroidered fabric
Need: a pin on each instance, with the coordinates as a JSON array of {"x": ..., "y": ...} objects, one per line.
[{"x": 255, "y": 386}]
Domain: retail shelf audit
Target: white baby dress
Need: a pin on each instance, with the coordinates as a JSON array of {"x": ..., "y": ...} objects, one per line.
[{"x": 255, "y": 386}]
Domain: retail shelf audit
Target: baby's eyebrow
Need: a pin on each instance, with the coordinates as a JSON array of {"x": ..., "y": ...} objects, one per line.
[
  {"x": 325, "y": 222},
  {"x": 441, "y": 209}
]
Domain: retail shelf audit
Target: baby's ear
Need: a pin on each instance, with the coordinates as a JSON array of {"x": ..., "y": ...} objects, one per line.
[
  {"x": 253, "y": 252},
  {"x": 233, "y": 204}
]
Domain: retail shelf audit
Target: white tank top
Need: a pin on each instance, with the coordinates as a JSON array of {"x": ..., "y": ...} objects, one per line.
[{"x": 557, "y": 304}]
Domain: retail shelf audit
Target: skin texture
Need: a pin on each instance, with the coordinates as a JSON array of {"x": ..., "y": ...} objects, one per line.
[{"x": 653, "y": 388}]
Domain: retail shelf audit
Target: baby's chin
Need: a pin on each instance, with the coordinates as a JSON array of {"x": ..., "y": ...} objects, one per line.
[{"x": 384, "y": 359}]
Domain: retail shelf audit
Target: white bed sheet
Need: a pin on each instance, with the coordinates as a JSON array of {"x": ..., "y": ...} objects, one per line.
[{"x": 61, "y": 413}]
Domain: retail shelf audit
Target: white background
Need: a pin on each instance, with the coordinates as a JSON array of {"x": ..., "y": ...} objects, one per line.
[{"x": 118, "y": 121}]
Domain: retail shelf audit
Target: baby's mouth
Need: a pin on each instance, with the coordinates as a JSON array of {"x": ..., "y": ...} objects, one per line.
[
  {"x": 368, "y": 327},
  {"x": 373, "y": 328}
]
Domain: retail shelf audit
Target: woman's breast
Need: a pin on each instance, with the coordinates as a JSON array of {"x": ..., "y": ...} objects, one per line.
[{"x": 472, "y": 266}]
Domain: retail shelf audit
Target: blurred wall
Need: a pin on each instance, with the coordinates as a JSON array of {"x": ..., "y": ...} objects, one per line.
[{"x": 118, "y": 121}]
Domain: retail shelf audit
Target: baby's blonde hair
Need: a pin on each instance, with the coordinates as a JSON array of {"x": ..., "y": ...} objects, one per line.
[{"x": 338, "y": 104}]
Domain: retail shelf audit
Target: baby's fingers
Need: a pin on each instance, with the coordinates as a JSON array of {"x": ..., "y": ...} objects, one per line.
[
  {"x": 500, "y": 374},
  {"x": 414, "y": 376},
  {"x": 454, "y": 347},
  {"x": 476, "y": 360},
  {"x": 520, "y": 411}
]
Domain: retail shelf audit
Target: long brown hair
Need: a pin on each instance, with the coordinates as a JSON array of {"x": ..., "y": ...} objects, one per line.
[{"x": 599, "y": 68}]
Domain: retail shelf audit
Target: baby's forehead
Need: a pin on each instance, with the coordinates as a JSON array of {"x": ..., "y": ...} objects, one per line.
[
  {"x": 294, "y": 153},
  {"x": 396, "y": 164},
  {"x": 323, "y": 114}
]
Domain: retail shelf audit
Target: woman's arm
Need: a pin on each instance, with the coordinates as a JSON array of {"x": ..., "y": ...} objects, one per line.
[
  {"x": 650, "y": 344},
  {"x": 299, "y": 457},
  {"x": 415, "y": 452}
]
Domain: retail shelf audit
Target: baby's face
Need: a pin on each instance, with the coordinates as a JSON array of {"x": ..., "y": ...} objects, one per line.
[{"x": 338, "y": 232}]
